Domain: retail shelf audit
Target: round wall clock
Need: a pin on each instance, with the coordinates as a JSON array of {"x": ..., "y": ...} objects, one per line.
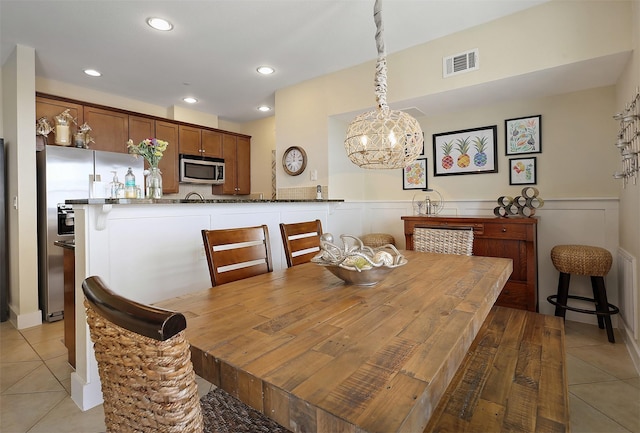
[{"x": 294, "y": 160}]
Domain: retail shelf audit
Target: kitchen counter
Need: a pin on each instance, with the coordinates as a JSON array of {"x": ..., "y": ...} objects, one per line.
[
  {"x": 194, "y": 201},
  {"x": 70, "y": 244}
]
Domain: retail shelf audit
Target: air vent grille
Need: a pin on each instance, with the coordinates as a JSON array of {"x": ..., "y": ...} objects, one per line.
[{"x": 459, "y": 63}]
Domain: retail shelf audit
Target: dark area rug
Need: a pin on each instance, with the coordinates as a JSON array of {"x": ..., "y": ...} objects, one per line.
[{"x": 224, "y": 413}]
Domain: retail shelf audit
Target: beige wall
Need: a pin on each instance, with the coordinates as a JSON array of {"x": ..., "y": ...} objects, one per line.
[
  {"x": 18, "y": 80},
  {"x": 263, "y": 136},
  {"x": 630, "y": 196},
  {"x": 568, "y": 35}
]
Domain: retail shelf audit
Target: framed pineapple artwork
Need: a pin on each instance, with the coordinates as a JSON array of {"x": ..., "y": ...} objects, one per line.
[{"x": 469, "y": 151}]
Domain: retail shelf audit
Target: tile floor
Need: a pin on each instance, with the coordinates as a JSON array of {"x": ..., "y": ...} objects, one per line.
[{"x": 604, "y": 387}]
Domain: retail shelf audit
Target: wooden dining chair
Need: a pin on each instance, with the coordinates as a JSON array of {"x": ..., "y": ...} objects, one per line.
[
  {"x": 444, "y": 241},
  {"x": 301, "y": 241},
  {"x": 148, "y": 381},
  {"x": 234, "y": 254}
]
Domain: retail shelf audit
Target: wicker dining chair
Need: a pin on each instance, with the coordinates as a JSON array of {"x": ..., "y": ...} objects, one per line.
[
  {"x": 301, "y": 241},
  {"x": 444, "y": 241},
  {"x": 237, "y": 253},
  {"x": 147, "y": 378}
]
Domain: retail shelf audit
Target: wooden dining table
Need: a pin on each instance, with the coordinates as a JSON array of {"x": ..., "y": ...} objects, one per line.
[{"x": 318, "y": 355}]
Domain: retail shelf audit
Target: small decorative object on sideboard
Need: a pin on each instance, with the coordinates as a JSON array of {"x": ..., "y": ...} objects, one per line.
[
  {"x": 356, "y": 263},
  {"x": 524, "y": 205},
  {"x": 628, "y": 140}
]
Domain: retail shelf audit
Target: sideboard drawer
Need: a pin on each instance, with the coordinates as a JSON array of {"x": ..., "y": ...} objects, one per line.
[{"x": 505, "y": 230}]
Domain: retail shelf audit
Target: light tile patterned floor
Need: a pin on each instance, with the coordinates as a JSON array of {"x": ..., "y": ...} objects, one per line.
[{"x": 604, "y": 387}]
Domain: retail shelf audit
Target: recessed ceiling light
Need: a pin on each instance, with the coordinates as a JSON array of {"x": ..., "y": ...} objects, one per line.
[
  {"x": 264, "y": 108},
  {"x": 92, "y": 72},
  {"x": 159, "y": 24},
  {"x": 190, "y": 100},
  {"x": 265, "y": 70}
]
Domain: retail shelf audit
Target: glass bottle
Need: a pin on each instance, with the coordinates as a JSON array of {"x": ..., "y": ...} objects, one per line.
[
  {"x": 130, "y": 184},
  {"x": 154, "y": 183}
]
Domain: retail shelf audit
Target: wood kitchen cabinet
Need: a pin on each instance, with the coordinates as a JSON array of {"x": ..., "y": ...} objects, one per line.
[
  {"x": 141, "y": 128},
  {"x": 109, "y": 129},
  {"x": 168, "y": 165},
  {"x": 190, "y": 140},
  {"x": 236, "y": 151},
  {"x": 200, "y": 142},
  {"x": 512, "y": 238},
  {"x": 50, "y": 108}
]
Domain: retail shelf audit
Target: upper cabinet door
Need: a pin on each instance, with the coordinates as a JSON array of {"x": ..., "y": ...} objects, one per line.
[
  {"x": 211, "y": 144},
  {"x": 109, "y": 129},
  {"x": 190, "y": 140},
  {"x": 141, "y": 128}
]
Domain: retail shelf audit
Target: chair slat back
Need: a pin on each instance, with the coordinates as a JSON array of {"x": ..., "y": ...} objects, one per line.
[
  {"x": 144, "y": 363},
  {"x": 301, "y": 241},
  {"x": 234, "y": 254},
  {"x": 443, "y": 241}
]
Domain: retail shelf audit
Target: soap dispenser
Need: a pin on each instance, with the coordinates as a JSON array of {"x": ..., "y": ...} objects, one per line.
[{"x": 114, "y": 186}]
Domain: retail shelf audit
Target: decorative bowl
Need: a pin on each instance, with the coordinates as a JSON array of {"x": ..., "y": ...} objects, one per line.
[
  {"x": 355, "y": 263},
  {"x": 367, "y": 277}
]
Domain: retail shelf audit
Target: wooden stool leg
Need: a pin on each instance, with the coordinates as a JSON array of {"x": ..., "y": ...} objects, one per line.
[
  {"x": 602, "y": 305},
  {"x": 596, "y": 297},
  {"x": 563, "y": 294}
]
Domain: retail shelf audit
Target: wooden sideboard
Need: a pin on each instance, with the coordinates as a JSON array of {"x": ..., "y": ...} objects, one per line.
[{"x": 512, "y": 238}]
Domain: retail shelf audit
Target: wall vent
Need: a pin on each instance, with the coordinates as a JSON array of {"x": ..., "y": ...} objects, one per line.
[{"x": 459, "y": 63}]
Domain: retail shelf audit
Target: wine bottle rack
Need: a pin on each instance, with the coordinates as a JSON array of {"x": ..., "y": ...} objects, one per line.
[{"x": 628, "y": 140}]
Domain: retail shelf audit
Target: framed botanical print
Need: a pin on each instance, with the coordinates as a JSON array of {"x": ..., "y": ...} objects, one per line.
[
  {"x": 522, "y": 171},
  {"x": 523, "y": 135},
  {"x": 414, "y": 176}
]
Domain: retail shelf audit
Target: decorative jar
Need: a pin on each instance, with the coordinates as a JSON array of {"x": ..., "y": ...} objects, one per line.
[{"x": 154, "y": 183}]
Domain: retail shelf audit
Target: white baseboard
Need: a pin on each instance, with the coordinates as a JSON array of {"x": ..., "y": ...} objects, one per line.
[
  {"x": 22, "y": 321},
  {"x": 632, "y": 346}
]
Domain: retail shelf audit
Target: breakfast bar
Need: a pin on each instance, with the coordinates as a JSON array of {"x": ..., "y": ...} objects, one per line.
[{"x": 317, "y": 355}]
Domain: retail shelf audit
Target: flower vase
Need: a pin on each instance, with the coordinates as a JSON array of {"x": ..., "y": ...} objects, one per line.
[{"x": 154, "y": 183}]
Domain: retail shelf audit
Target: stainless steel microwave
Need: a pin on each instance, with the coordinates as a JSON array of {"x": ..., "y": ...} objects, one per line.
[{"x": 201, "y": 169}]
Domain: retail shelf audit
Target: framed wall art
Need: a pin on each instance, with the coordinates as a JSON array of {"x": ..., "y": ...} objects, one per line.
[
  {"x": 414, "y": 176},
  {"x": 470, "y": 151},
  {"x": 522, "y": 135},
  {"x": 522, "y": 171}
]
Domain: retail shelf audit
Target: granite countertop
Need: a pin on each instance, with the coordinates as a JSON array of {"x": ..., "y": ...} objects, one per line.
[
  {"x": 99, "y": 201},
  {"x": 68, "y": 244}
]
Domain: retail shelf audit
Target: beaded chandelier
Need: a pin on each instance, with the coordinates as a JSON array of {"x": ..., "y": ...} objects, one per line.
[{"x": 383, "y": 138}]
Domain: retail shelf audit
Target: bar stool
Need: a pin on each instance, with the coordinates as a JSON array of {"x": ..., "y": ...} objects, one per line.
[{"x": 584, "y": 260}]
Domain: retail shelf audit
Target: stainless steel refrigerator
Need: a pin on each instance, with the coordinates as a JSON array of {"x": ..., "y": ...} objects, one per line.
[{"x": 64, "y": 173}]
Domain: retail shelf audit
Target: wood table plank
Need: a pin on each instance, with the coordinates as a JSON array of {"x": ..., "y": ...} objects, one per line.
[{"x": 318, "y": 355}]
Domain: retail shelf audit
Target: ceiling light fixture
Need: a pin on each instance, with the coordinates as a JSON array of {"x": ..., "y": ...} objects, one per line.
[
  {"x": 190, "y": 100},
  {"x": 92, "y": 72},
  {"x": 264, "y": 108},
  {"x": 383, "y": 138},
  {"x": 159, "y": 24},
  {"x": 265, "y": 70}
]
